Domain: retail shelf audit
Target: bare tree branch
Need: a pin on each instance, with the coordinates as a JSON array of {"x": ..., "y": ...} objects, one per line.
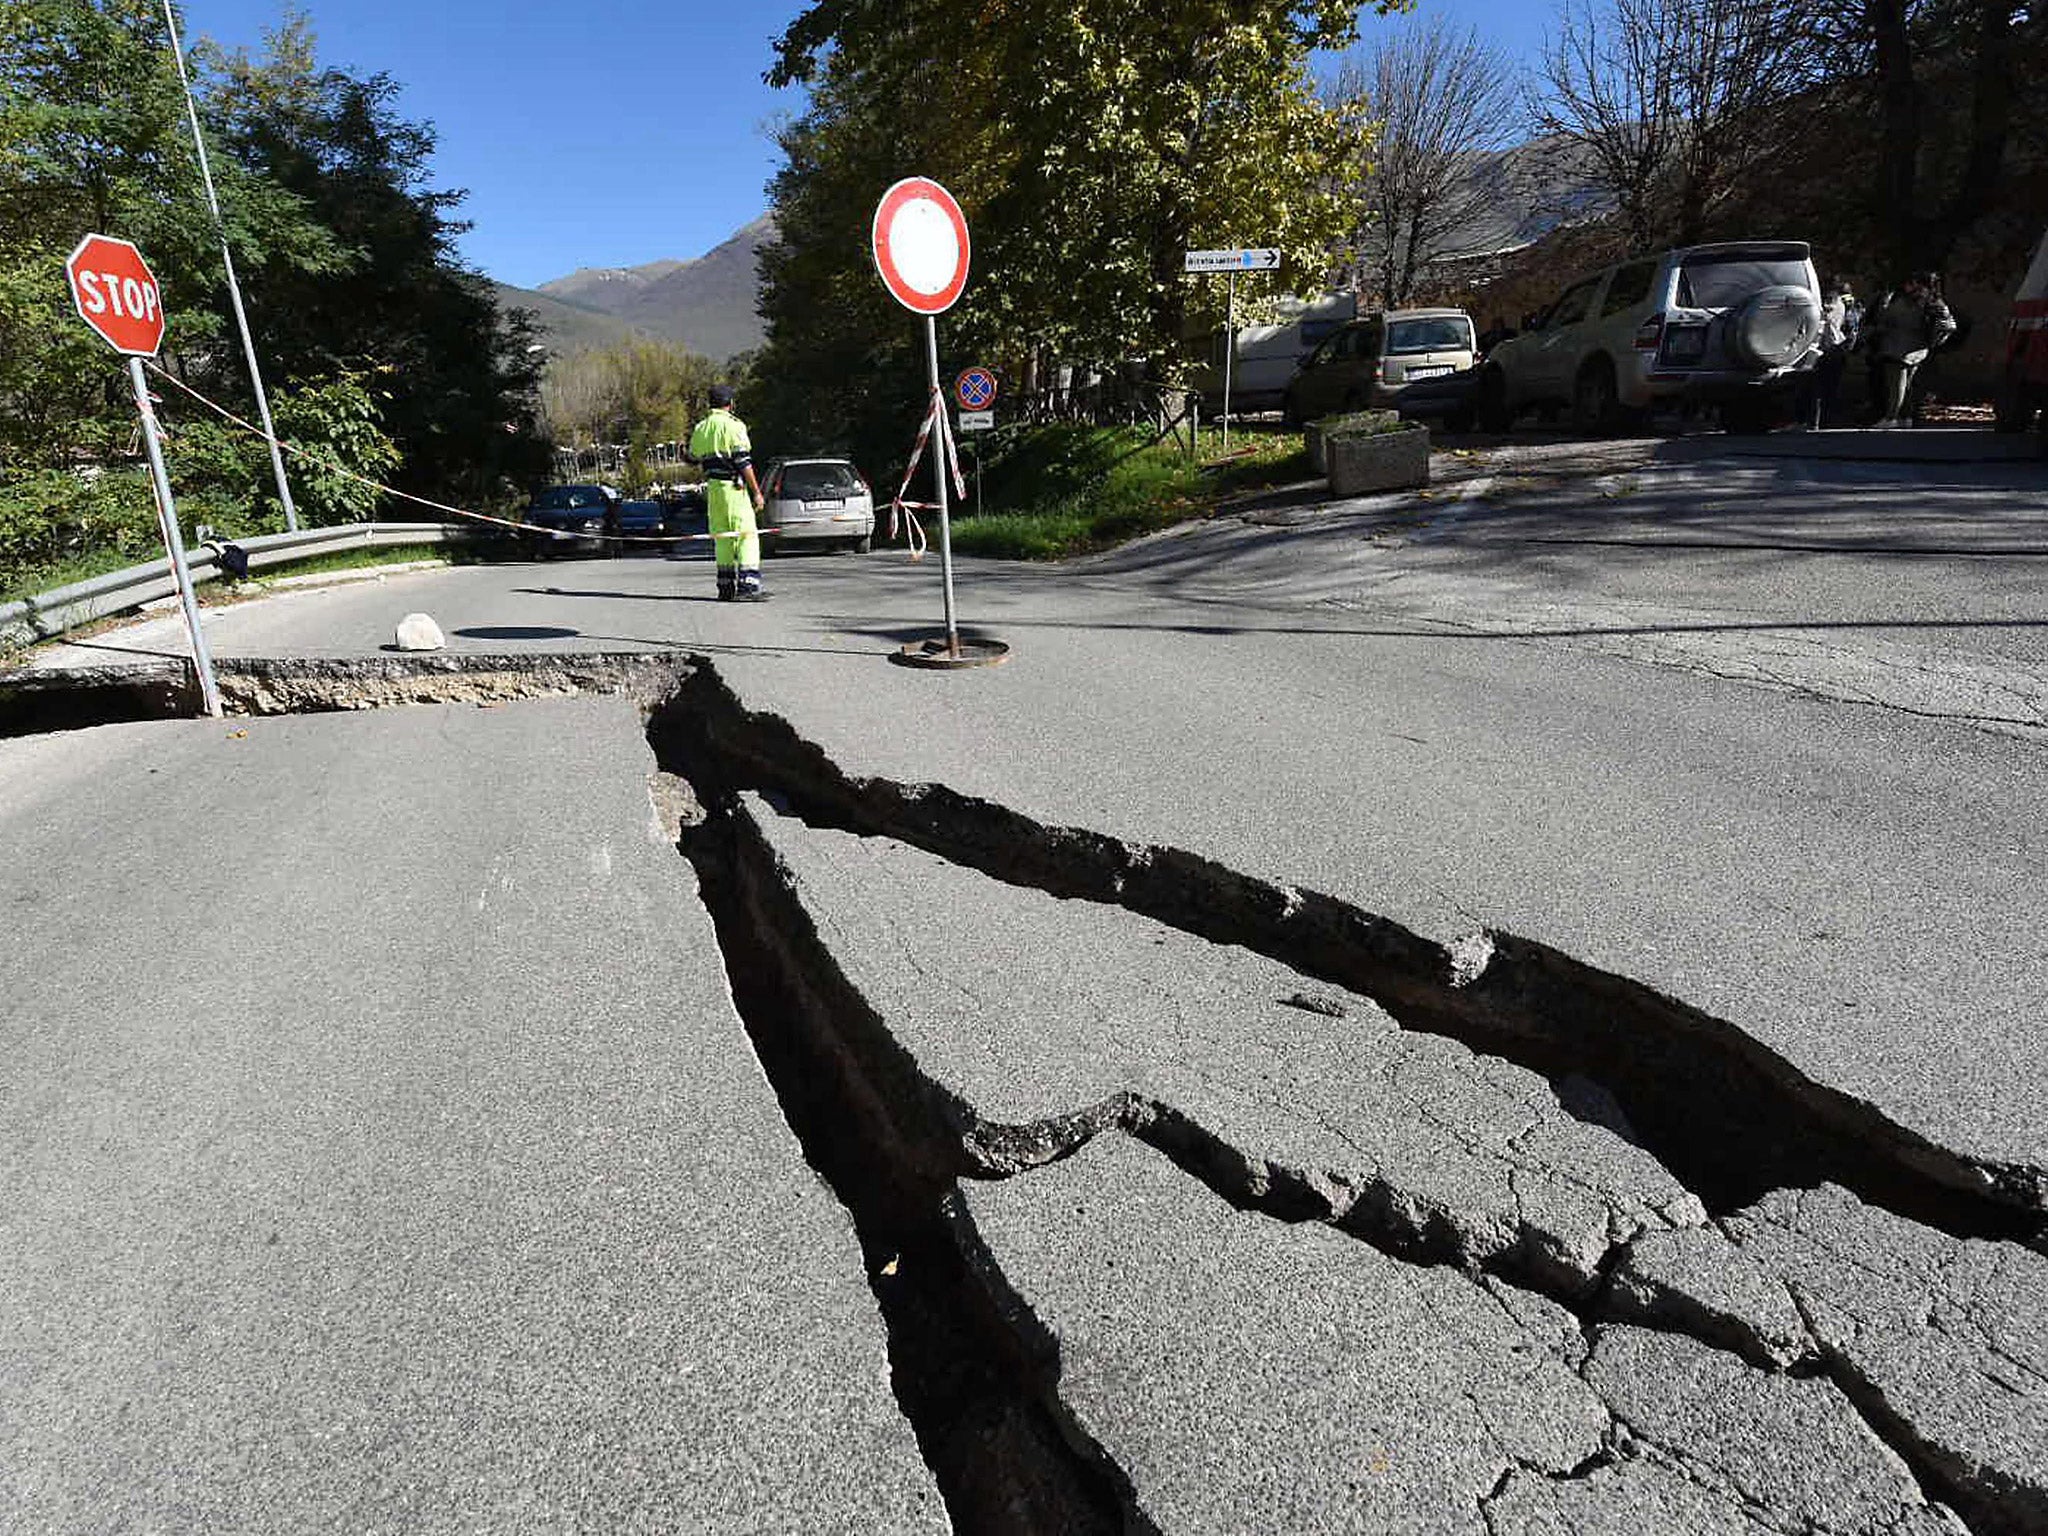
[
  {"x": 1441, "y": 100},
  {"x": 1672, "y": 101}
]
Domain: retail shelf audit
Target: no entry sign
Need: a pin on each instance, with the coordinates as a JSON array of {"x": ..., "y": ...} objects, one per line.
[
  {"x": 116, "y": 295},
  {"x": 921, "y": 247}
]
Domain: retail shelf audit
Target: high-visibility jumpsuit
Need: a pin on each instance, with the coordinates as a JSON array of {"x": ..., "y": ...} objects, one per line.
[{"x": 720, "y": 444}]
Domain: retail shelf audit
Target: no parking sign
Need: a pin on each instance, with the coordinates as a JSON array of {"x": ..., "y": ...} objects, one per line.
[{"x": 975, "y": 389}]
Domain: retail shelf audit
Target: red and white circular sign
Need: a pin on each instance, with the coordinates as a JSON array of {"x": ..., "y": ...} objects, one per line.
[
  {"x": 116, "y": 296},
  {"x": 921, "y": 248}
]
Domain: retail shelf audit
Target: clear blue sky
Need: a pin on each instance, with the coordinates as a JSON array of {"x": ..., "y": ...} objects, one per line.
[
  {"x": 597, "y": 133},
  {"x": 606, "y": 133}
]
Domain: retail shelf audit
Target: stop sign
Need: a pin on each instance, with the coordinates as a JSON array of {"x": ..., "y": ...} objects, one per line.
[{"x": 116, "y": 296}]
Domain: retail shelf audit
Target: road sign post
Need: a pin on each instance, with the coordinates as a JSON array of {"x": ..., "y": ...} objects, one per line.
[
  {"x": 118, "y": 297},
  {"x": 1229, "y": 355},
  {"x": 1260, "y": 259},
  {"x": 922, "y": 252}
]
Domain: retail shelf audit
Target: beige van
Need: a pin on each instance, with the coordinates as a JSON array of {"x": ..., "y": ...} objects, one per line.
[{"x": 1369, "y": 361}]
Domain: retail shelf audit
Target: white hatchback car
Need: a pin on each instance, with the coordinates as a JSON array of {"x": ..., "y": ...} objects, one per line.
[
  {"x": 1734, "y": 325},
  {"x": 819, "y": 501}
]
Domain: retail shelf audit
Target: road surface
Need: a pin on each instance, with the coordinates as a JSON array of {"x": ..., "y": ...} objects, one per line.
[{"x": 1513, "y": 1010}]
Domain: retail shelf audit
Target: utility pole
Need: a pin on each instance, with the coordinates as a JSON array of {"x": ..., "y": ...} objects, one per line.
[{"x": 284, "y": 490}]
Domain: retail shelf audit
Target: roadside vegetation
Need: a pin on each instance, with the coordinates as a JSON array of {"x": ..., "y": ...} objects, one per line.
[
  {"x": 1092, "y": 146},
  {"x": 610, "y": 410},
  {"x": 383, "y": 352},
  {"x": 1067, "y": 490}
]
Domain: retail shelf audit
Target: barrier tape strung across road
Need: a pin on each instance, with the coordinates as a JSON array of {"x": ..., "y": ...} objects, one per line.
[
  {"x": 947, "y": 455},
  {"x": 439, "y": 506}
]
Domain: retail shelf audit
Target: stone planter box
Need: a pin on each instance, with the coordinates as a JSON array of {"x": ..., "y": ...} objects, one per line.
[
  {"x": 1312, "y": 439},
  {"x": 1360, "y": 463}
]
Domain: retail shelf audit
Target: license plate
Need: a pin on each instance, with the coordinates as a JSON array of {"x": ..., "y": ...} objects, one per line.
[
  {"x": 825, "y": 506},
  {"x": 1432, "y": 372}
]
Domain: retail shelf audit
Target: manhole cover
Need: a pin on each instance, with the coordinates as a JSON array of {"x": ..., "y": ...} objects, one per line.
[{"x": 974, "y": 651}]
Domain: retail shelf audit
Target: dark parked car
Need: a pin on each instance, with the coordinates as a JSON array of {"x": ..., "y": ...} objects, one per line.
[
  {"x": 1450, "y": 400},
  {"x": 659, "y": 525},
  {"x": 685, "y": 520},
  {"x": 571, "y": 519}
]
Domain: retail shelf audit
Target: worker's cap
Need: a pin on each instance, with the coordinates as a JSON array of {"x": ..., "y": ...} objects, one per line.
[{"x": 722, "y": 394}]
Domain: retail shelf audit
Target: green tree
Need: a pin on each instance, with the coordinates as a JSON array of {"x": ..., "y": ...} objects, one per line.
[
  {"x": 460, "y": 375},
  {"x": 639, "y": 394},
  {"x": 334, "y": 440},
  {"x": 1089, "y": 146},
  {"x": 93, "y": 138}
]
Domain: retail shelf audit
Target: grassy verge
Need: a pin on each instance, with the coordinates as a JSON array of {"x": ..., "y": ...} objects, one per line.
[
  {"x": 1061, "y": 491},
  {"x": 27, "y": 581}
]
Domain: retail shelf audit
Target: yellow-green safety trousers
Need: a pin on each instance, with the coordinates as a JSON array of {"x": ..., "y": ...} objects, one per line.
[{"x": 721, "y": 445}]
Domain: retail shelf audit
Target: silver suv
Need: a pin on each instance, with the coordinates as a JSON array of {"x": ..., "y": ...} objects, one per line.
[{"x": 1735, "y": 325}]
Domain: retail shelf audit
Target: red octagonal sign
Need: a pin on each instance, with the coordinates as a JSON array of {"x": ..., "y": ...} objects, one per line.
[{"x": 114, "y": 292}]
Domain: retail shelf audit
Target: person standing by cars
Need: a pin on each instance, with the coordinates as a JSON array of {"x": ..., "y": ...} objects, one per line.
[
  {"x": 732, "y": 496},
  {"x": 1837, "y": 338},
  {"x": 1906, "y": 327}
]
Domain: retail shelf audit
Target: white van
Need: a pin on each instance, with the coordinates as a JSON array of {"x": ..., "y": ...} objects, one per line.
[{"x": 1268, "y": 354}]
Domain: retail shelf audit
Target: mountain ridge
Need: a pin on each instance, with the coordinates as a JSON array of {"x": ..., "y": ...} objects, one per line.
[{"x": 706, "y": 303}]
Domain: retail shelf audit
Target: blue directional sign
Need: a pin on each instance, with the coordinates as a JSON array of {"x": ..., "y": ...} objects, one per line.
[{"x": 975, "y": 389}]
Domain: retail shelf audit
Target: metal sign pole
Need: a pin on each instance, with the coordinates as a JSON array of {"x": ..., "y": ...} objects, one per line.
[
  {"x": 939, "y": 435},
  {"x": 174, "y": 543},
  {"x": 1229, "y": 357},
  {"x": 284, "y": 490}
]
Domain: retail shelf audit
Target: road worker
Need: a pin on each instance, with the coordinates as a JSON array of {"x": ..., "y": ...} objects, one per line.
[{"x": 732, "y": 496}]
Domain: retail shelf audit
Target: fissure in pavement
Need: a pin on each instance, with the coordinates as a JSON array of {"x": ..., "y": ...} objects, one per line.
[
  {"x": 1728, "y": 1116},
  {"x": 893, "y": 1144},
  {"x": 875, "y": 1070},
  {"x": 985, "y": 1417}
]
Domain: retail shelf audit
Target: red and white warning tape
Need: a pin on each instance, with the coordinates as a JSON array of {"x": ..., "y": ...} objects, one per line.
[
  {"x": 437, "y": 506},
  {"x": 949, "y": 459}
]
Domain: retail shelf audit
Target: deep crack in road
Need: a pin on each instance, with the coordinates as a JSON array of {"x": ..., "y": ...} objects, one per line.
[{"x": 1673, "y": 1282}]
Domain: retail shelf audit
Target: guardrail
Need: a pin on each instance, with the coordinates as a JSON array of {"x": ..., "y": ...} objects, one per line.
[{"x": 49, "y": 614}]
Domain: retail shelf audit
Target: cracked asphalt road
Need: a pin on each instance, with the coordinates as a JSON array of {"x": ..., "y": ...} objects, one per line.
[{"x": 383, "y": 1146}]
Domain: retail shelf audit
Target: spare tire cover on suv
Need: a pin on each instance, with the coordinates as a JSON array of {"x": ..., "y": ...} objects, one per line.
[{"x": 1774, "y": 327}]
